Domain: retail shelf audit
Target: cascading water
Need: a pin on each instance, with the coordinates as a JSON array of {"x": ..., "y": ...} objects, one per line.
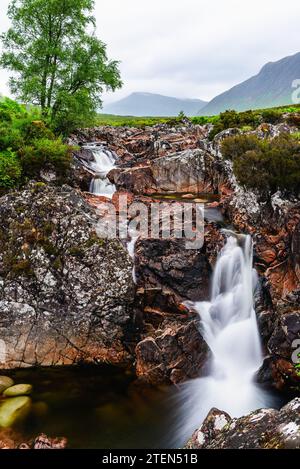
[
  {"x": 104, "y": 161},
  {"x": 228, "y": 324}
]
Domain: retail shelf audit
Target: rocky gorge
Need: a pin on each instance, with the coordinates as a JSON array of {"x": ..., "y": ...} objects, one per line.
[{"x": 68, "y": 296}]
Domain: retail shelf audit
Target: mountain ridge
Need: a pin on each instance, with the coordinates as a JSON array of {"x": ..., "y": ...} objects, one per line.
[
  {"x": 142, "y": 104},
  {"x": 271, "y": 87}
]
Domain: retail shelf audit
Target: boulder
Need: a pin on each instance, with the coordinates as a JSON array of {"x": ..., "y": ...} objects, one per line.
[
  {"x": 18, "y": 390},
  {"x": 278, "y": 369},
  {"x": 261, "y": 429},
  {"x": 187, "y": 171},
  {"x": 13, "y": 410},
  {"x": 65, "y": 294},
  {"x": 5, "y": 382},
  {"x": 173, "y": 355}
]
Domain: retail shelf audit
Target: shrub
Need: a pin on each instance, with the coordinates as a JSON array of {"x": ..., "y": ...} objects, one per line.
[
  {"x": 75, "y": 111},
  {"x": 227, "y": 120},
  {"x": 266, "y": 165},
  {"x": 10, "y": 169},
  {"x": 10, "y": 138},
  {"x": 271, "y": 116},
  {"x": 33, "y": 130},
  {"x": 47, "y": 154},
  {"x": 294, "y": 119},
  {"x": 235, "y": 146}
]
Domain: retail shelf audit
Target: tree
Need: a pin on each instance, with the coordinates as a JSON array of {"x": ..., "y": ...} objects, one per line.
[{"x": 56, "y": 59}]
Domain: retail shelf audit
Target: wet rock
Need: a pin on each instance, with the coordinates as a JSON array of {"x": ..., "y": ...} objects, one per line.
[
  {"x": 137, "y": 180},
  {"x": 65, "y": 294},
  {"x": 18, "y": 390},
  {"x": 5, "y": 382},
  {"x": 278, "y": 369},
  {"x": 174, "y": 354},
  {"x": 134, "y": 145},
  {"x": 286, "y": 331},
  {"x": 212, "y": 426},
  {"x": 179, "y": 272},
  {"x": 187, "y": 171},
  {"x": 10, "y": 439},
  {"x": 170, "y": 274},
  {"x": 14, "y": 410},
  {"x": 262, "y": 429},
  {"x": 44, "y": 442}
]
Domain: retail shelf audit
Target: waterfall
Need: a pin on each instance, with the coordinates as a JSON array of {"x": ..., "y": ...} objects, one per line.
[
  {"x": 104, "y": 161},
  {"x": 228, "y": 324}
]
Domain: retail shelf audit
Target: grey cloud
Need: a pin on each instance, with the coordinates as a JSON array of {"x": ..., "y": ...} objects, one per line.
[{"x": 193, "y": 48}]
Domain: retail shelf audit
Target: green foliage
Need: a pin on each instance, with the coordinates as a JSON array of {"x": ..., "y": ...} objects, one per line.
[
  {"x": 129, "y": 121},
  {"x": 10, "y": 169},
  {"x": 36, "y": 129},
  {"x": 75, "y": 111},
  {"x": 57, "y": 61},
  {"x": 271, "y": 116},
  {"x": 266, "y": 165},
  {"x": 27, "y": 145},
  {"x": 44, "y": 153},
  {"x": 231, "y": 119},
  {"x": 202, "y": 120},
  {"x": 237, "y": 145}
]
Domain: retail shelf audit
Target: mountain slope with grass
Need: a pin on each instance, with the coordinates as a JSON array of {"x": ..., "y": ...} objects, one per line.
[{"x": 271, "y": 87}]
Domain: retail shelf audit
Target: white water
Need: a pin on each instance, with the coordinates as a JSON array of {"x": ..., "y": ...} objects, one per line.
[
  {"x": 228, "y": 324},
  {"x": 104, "y": 161}
]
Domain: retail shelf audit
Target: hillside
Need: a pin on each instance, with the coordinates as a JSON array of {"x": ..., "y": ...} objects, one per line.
[
  {"x": 149, "y": 104},
  {"x": 271, "y": 87}
]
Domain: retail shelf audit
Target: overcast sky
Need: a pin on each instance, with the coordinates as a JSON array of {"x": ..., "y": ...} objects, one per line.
[{"x": 190, "y": 48}]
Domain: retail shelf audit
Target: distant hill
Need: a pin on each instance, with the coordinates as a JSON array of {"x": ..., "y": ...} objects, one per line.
[
  {"x": 149, "y": 104},
  {"x": 271, "y": 87}
]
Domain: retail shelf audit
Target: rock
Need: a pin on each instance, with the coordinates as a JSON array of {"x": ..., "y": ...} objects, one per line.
[
  {"x": 65, "y": 295},
  {"x": 10, "y": 439},
  {"x": 212, "y": 426},
  {"x": 134, "y": 145},
  {"x": 137, "y": 180},
  {"x": 280, "y": 374},
  {"x": 286, "y": 331},
  {"x": 13, "y": 410},
  {"x": 5, "y": 382},
  {"x": 187, "y": 171},
  {"x": 44, "y": 442},
  {"x": 18, "y": 390},
  {"x": 261, "y": 429},
  {"x": 176, "y": 353},
  {"x": 278, "y": 369},
  {"x": 176, "y": 273}
]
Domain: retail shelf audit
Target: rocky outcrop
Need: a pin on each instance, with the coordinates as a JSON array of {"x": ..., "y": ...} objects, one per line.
[
  {"x": 133, "y": 145},
  {"x": 262, "y": 429},
  {"x": 174, "y": 354},
  {"x": 138, "y": 180},
  {"x": 182, "y": 159},
  {"x": 187, "y": 171},
  {"x": 65, "y": 294},
  {"x": 278, "y": 369},
  {"x": 168, "y": 274}
]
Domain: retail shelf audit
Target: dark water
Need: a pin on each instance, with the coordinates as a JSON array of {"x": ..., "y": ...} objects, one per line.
[
  {"x": 96, "y": 407},
  {"x": 102, "y": 407}
]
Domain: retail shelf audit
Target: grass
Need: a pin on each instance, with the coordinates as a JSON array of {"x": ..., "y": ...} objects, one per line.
[{"x": 141, "y": 122}]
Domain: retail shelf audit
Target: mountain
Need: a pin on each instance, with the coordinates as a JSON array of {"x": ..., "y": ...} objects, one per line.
[
  {"x": 271, "y": 87},
  {"x": 149, "y": 104}
]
